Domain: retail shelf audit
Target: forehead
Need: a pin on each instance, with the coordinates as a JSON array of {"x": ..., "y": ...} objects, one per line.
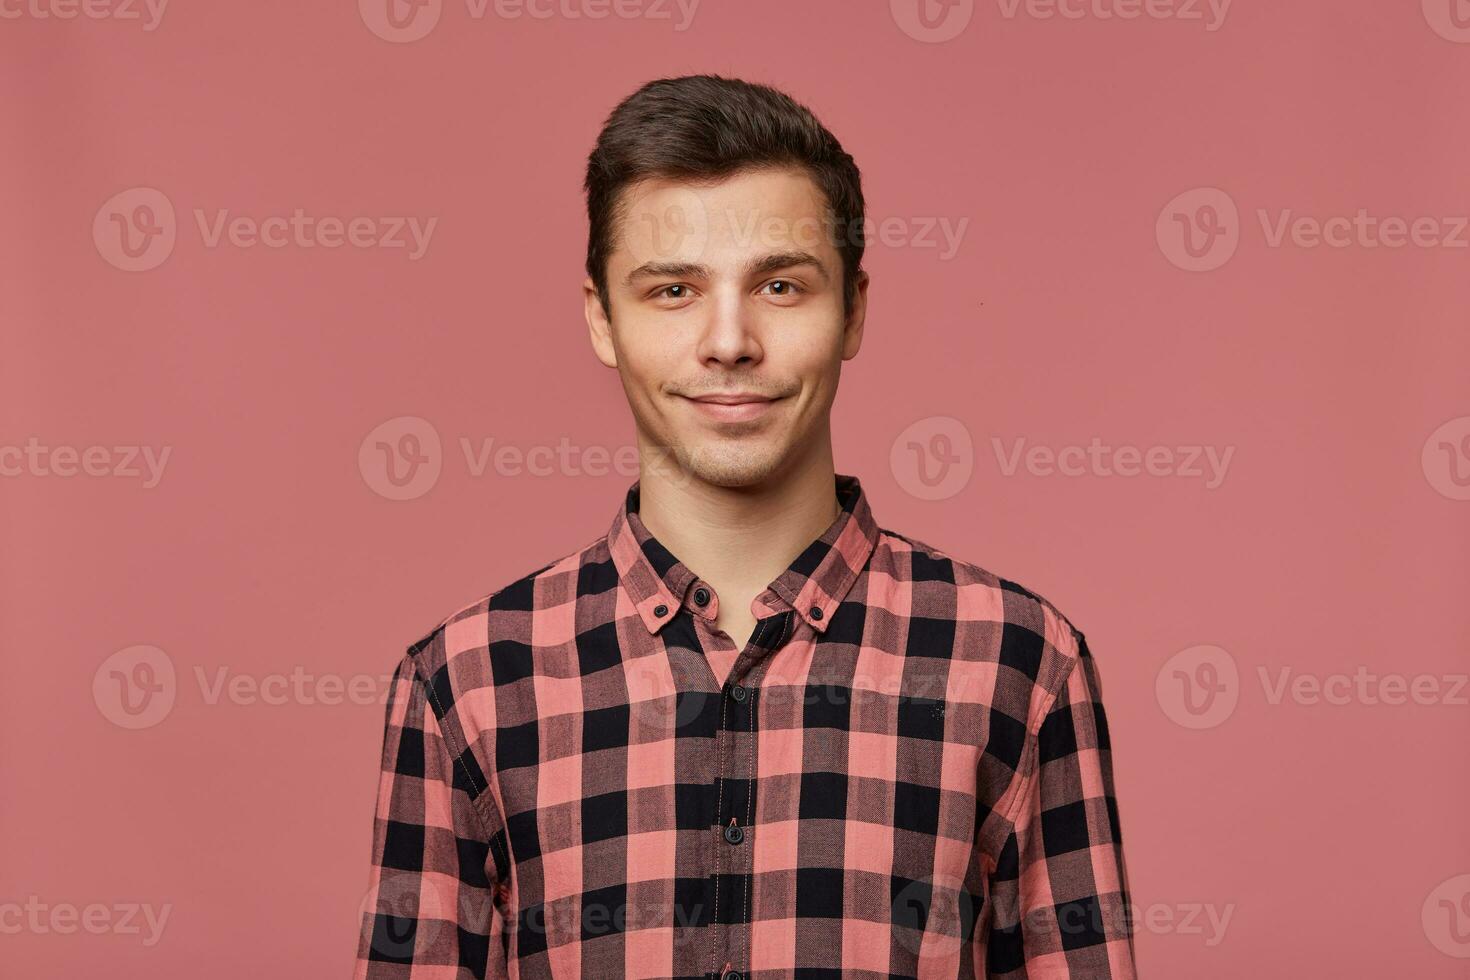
[{"x": 747, "y": 213}]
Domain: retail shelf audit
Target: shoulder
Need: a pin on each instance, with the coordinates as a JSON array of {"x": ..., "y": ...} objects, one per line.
[
  {"x": 460, "y": 643},
  {"x": 1010, "y": 624}
]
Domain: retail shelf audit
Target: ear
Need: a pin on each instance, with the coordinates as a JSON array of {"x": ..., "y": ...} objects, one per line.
[
  {"x": 852, "y": 336},
  {"x": 599, "y": 326}
]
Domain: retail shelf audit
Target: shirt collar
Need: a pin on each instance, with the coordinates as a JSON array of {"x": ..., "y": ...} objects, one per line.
[{"x": 814, "y": 584}]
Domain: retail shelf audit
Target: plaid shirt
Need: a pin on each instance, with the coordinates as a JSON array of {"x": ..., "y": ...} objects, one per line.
[{"x": 905, "y": 774}]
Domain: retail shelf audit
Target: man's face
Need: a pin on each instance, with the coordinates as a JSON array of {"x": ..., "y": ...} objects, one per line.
[{"x": 727, "y": 291}]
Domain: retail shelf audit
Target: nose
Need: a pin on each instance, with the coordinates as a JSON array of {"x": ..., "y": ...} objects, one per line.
[{"x": 729, "y": 336}]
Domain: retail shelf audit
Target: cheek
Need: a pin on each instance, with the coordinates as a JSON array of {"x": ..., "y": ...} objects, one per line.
[
  {"x": 648, "y": 359},
  {"x": 815, "y": 360}
]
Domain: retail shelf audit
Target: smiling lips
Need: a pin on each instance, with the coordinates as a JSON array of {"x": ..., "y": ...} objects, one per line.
[{"x": 734, "y": 407}]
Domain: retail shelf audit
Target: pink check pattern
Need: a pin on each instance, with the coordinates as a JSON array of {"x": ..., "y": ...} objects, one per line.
[{"x": 906, "y": 773}]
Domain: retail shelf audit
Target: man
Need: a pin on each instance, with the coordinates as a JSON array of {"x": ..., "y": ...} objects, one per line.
[{"x": 746, "y": 732}]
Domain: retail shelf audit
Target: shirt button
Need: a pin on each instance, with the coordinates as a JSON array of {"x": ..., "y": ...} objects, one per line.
[
  {"x": 737, "y": 692},
  {"x": 660, "y": 609},
  {"x": 701, "y": 596},
  {"x": 816, "y": 612},
  {"x": 733, "y": 975},
  {"x": 734, "y": 834}
]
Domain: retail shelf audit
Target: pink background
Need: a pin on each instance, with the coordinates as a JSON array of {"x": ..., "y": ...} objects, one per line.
[{"x": 1332, "y": 835}]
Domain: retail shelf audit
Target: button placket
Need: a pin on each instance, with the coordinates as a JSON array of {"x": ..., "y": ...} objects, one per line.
[
  {"x": 736, "y": 807},
  {"x": 735, "y": 802}
]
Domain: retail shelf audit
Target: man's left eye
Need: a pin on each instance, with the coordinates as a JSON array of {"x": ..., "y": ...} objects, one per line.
[{"x": 786, "y": 287}]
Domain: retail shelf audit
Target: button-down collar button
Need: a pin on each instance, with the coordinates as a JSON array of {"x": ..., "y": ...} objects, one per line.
[
  {"x": 734, "y": 834},
  {"x": 660, "y": 609},
  {"x": 737, "y": 692},
  {"x": 733, "y": 975},
  {"x": 701, "y": 596},
  {"x": 816, "y": 612}
]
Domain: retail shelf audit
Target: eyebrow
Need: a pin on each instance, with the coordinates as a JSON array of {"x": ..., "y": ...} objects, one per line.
[{"x": 759, "y": 266}]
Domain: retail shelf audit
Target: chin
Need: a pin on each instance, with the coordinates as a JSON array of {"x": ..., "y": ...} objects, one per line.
[{"x": 727, "y": 465}]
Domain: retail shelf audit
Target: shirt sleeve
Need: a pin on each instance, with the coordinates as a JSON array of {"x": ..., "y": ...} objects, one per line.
[
  {"x": 435, "y": 900},
  {"x": 1064, "y": 862}
]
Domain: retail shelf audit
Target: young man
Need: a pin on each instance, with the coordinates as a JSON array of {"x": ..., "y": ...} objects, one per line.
[{"x": 747, "y": 732}]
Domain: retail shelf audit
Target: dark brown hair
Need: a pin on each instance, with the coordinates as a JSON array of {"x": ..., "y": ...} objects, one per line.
[{"x": 705, "y": 127}]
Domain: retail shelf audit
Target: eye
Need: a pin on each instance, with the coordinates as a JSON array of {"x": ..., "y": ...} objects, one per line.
[
  {"x": 673, "y": 291},
  {"x": 783, "y": 287}
]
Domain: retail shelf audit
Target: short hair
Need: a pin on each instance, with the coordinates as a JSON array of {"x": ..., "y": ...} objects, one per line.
[{"x": 706, "y": 127}]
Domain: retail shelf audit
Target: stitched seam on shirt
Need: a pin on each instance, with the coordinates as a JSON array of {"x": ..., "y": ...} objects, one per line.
[
  {"x": 459, "y": 751},
  {"x": 494, "y": 804},
  {"x": 504, "y": 869},
  {"x": 1033, "y": 747}
]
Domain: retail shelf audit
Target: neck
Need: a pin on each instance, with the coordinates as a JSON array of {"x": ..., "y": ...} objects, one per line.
[{"x": 739, "y": 538}]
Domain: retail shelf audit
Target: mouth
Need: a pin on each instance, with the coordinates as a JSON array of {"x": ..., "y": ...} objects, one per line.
[{"x": 732, "y": 407}]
